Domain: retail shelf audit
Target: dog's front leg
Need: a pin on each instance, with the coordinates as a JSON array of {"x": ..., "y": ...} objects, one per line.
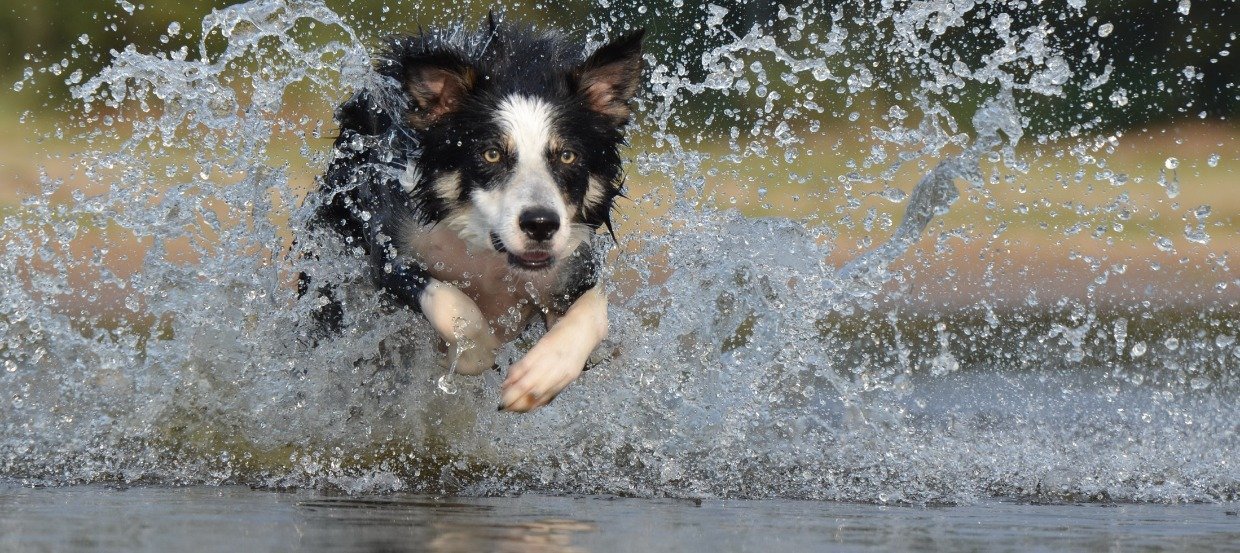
[
  {"x": 558, "y": 358},
  {"x": 457, "y": 319}
]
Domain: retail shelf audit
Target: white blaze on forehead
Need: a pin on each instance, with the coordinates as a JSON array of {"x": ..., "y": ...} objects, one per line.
[{"x": 527, "y": 122}]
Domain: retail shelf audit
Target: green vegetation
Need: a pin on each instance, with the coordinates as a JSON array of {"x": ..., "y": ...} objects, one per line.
[{"x": 1148, "y": 49}]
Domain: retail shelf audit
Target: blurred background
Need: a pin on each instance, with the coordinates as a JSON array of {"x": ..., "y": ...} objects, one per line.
[
  {"x": 1151, "y": 42},
  {"x": 1121, "y": 174}
]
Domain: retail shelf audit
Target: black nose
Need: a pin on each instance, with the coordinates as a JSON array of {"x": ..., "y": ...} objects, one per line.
[{"x": 539, "y": 224}]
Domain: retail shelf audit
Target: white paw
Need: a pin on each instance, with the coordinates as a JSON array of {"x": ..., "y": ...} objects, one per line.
[
  {"x": 472, "y": 355},
  {"x": 535, "y": 380},
  {"x": 558, "y": 358},
  {"x": 457, "y": 319}
]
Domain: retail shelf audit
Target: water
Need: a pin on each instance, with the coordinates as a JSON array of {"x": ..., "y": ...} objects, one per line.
[
  {"x": 859, "y": 345},
  {"x": 232, "y": 518}
]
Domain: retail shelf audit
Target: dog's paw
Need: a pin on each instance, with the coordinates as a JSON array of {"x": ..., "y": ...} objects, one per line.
[
  {"x": 472, "y": 355},
  {"x": 456, "y": 318},
  {"x": 538, "y": 377}
]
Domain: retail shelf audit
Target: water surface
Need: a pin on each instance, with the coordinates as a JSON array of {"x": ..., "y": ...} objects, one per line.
[{"x": 234, "y": 518}]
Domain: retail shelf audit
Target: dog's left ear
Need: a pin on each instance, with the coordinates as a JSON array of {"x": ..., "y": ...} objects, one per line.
[{"x": 611, "y": 76}]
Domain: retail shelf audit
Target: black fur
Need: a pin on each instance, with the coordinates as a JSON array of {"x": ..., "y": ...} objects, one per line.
[{"x": 446, "y": 128}]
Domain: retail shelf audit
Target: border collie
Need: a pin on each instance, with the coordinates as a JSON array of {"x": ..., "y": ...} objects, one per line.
[{"x": 475, "y": 175}]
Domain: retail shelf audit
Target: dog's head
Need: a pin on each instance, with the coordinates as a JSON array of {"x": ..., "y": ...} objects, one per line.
[{"x": 520, "y": 137}]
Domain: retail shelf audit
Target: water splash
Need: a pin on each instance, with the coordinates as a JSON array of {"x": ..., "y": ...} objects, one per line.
[{"x": 153, "y": 334}]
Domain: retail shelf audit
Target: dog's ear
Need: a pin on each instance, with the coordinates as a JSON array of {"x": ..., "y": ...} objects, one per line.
[
  {"x": 611, "y": 76},
  {"x": 437, "y": 83}
]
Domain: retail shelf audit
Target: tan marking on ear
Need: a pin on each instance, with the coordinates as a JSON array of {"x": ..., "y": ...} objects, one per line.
[
  {"x": 611, "y": 76},
  {"x": 603, "y": 98},
  {"x": 437, "y": 92}
]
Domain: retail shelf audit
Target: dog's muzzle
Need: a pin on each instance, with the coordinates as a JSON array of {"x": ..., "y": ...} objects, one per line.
[{"x": 532, "y": 260}]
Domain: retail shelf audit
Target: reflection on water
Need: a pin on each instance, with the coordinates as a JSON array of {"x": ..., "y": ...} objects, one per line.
[
  {"x": 238, "y": 519},
  {"x": 440, "y": 524}
]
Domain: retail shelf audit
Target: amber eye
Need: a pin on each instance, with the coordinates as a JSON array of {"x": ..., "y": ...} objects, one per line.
[
  {"x": 492, "y": 155},
  {"x": 568, "y": 156}
]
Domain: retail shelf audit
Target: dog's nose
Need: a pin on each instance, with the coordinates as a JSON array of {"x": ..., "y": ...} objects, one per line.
[{"x": 539, "y": 224}]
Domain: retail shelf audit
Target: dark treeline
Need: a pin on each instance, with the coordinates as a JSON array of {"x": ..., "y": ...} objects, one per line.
[{"x": 1149, "y": 48}]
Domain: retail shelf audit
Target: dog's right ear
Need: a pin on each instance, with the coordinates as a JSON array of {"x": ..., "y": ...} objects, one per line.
[
  {"x": 437, "y": 83},
  {"x": 611, "y": 76}
]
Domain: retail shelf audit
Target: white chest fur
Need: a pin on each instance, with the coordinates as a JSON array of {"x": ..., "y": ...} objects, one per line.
[{"x": 508, "y": 297}]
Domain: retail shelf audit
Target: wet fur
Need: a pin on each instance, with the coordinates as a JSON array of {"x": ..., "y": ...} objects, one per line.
[{"x": 408, "y": 168}]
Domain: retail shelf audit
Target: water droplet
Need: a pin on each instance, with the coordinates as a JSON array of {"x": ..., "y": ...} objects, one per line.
[
  {"x": 1170, "y": 185},
  {"x": 1164, "y": 244},
  {"x": 1171, "y": 163},
  {"x": 1197, "y": 235},
  {"x": 1213, "y": 160},
  {"x": 1171, "y": 344},
  {"x": 1119, "y": 97},
  {"x": 1105, "y": 29},
  {"x": 10, "y": 366},
  {"x": 1138, "y": 349},
  {"x": 1184, "y": 7},
  {"x": 446, "y": 384},
  {"x": 893, "y": 194}
]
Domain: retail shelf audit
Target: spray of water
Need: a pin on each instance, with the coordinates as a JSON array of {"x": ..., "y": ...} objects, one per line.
[{"x": 152, "y": 334}]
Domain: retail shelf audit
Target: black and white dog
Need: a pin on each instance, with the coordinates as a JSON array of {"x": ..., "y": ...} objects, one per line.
[{"x": 474, "y": 176}]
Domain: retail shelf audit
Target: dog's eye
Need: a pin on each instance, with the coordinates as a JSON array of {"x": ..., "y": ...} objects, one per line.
[
  {"x": 568, "y": 156},
  {"x": 492, "y": 155}
]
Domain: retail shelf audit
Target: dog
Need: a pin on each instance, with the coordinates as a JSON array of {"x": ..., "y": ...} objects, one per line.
[{"x": 475, "y": 175}]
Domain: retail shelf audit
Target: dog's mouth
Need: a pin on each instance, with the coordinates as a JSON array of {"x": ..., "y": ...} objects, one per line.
[{"x": 532, "y": 260}]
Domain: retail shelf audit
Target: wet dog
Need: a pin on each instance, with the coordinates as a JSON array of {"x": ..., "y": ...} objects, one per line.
[{"x": 475, "y": 175}]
